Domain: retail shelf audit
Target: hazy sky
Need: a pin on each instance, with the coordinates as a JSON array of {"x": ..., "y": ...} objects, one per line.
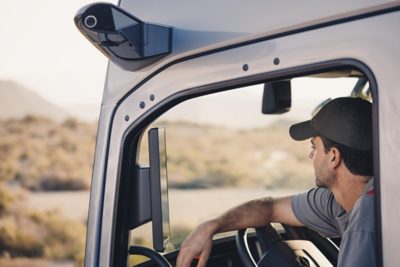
[{"x": 42, "y": 49}]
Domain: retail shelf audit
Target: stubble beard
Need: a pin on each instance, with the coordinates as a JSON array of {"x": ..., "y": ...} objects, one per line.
[{"x": 323, "y": 179}]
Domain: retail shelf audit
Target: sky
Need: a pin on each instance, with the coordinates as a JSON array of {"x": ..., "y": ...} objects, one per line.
[
  {"x": 242, "y": 107},
  {"x": 42, "y": 49}
]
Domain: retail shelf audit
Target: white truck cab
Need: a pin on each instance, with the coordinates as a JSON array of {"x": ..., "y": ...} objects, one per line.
[{"x": 166, "y": 53}]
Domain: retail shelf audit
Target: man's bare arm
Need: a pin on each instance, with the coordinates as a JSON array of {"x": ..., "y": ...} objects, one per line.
[{"x": 255, "y": 213}]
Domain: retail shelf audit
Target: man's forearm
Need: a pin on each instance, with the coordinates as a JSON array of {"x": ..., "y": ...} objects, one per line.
[{"x": 255, "y": 213}]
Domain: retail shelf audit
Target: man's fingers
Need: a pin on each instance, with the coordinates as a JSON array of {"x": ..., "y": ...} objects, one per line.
[
  {"x": 184, "y": 261},
  {"x": 198, "y": 243},
  {"x": 180, "y": 262},
  {"x": 202, "y": 262},
  {"x": 203, "y": 258},
  {"x": 185, "y": 258}
]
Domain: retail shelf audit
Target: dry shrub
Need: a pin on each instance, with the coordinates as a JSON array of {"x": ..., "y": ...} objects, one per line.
[
  {"x": 62, "y": 238},
  {"x": 40, "y": 154},
  {"x": 41, "y": 235},
  {"x": 6, "y": 200},
  {"x": 206, "y": 156}
]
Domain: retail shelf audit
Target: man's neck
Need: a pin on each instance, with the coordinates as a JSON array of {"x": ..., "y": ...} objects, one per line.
[{"x": 348, "y": 189}]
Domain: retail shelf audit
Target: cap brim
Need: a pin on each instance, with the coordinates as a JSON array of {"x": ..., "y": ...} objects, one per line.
[{"x": 302, "y": 131}]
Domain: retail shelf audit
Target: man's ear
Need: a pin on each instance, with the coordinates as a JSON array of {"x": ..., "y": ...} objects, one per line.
[{"x": 335, "y": 157}]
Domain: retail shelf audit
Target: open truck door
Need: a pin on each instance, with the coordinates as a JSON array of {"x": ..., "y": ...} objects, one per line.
[{"x": 167, "y": 53}]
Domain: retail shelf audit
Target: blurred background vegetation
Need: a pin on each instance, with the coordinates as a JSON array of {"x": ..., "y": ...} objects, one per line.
[
  {"x": 209, "y": 156},
  {"x": 38, "y": 154}
]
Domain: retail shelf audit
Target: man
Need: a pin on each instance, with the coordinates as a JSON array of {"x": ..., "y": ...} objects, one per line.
[{"x": 342, "y": 204}]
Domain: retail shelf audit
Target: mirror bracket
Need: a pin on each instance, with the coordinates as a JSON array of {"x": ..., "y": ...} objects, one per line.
[{"x": 126, "y": 40}]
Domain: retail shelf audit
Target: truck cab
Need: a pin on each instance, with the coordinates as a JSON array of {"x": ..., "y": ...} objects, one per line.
[{"x": 199, "y": 96}]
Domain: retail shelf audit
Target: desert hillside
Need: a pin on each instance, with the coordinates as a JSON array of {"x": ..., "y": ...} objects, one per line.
[
  {"x": 16, "y": 101},
  {"x": 41, "y": 154},
  {"x": 205, "y": 156}
]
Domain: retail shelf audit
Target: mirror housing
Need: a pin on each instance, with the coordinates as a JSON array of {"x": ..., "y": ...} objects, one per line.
[
  {"x": 277, "y": 97},
  {"x": 149, "y": 198},
  {"x": 126, "y": 40},
  {"x": 159, "y": 189}
]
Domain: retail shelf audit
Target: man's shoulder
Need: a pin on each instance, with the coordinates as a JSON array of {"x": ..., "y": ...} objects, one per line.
[
  {"x": 319, "y": 193},
  {"x": 317, "y": 209},
  {"x": 324, "y": 196}
]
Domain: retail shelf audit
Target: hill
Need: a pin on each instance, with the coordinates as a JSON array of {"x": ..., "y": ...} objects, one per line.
[
  {"x": 85, "y": 112},
  {"x": 208, "y": 156},
  {"x": 16, "y": 102},
  {"x": 40, "y": 154}
]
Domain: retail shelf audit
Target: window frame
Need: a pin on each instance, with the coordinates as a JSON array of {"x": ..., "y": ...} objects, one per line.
[{"x": 133, "y": 134}]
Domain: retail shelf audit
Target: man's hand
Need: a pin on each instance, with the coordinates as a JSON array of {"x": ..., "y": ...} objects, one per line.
[
  {"x": 196, "y": 246},
  {"x": 255, "y": 213}
]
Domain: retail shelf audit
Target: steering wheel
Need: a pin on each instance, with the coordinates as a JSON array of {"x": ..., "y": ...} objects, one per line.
[
  {"x": 275, "y": 252},
  {"x": 157, "y": 258}
]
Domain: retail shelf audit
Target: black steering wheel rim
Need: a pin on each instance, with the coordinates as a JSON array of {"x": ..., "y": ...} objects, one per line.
[
  {"x": 275, "y": 252},
  {"x": 243, "y": 248}
]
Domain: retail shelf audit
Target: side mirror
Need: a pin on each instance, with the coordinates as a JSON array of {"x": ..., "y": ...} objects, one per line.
[
  {"x": 159, "y": 189},
  {"x": 277, "y": 97},
  {"x": 126, "y": 40},
  {"x": 149, "y": 198}
]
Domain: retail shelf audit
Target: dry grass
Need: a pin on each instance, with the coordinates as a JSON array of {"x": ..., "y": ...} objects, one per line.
[
  {"x": 40, "y": 154},
  {"x": 208, "y": 156}
]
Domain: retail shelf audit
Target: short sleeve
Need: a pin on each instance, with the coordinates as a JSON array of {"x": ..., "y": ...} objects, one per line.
[{"x": 317, "y": 209}]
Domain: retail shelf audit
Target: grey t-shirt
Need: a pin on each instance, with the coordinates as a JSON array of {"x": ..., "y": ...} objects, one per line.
[{"x": 318, "y": 210}]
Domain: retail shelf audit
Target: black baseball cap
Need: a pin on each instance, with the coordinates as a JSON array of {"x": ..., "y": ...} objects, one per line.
[{"x": 345, "y": 120}]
